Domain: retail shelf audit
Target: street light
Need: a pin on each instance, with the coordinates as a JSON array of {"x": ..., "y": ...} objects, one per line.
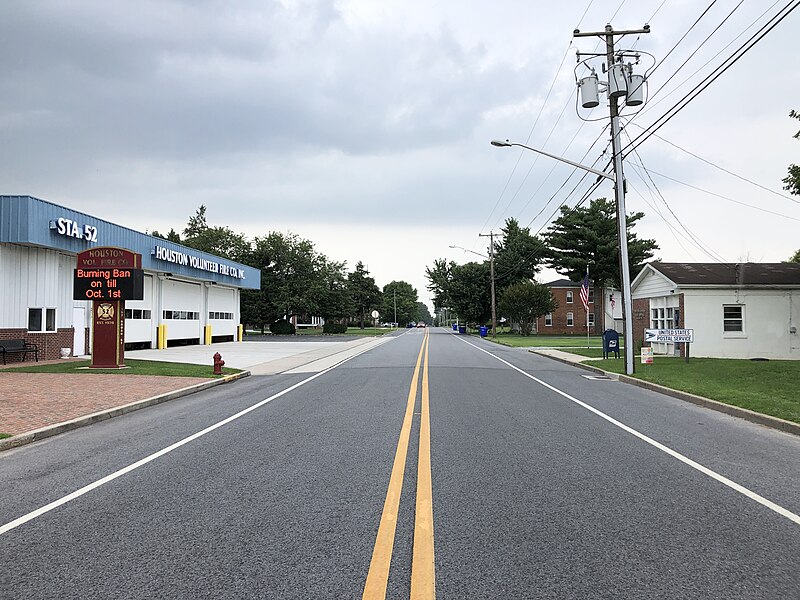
[
  {"x": 472, "y": 251},
  {"x": 622, "y": 234},
  {"x": 491, "y": 271},
  {"x": 507, "y": 144}
]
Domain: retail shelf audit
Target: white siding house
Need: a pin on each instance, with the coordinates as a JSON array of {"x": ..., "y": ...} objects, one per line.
[{"x": 744, "y": 310}]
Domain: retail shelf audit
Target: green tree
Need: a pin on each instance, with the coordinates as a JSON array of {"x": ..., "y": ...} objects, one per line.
[
  {"x": 334, "y": 299},
  {"x": 439, "y": 276},
  {"x": 406, "y": 297},
  {"x": 469, "y": 292},
  {"x": 526, "y": 301},
  {"x": 518, "y": 256},
  {"x": 172, "y": 236},
  {"x": 220, "y": 241},
  {"x": 587, "y": 236},
  {"x": 423, "y": 314},
  {"x": 795, "y": 258},
  {"x": 293, "y": 279},
  {"x": 364, "y": 294},
  {"x": 792, "y": 180}
]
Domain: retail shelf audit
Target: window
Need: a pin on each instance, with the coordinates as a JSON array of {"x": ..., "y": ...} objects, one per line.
[
  {"x": 733, "y": 318},
  {"x": 570, "y": 319},
  {"x": 179, "y": 315},
  {"x": 569, "y": 296},
  {"x": 591, "y": 295},
  {"x": 220, "y": 316},
  {"x": 37, "y": 317},
  {"x": 662, "y": 318},
  {"x": 136, "y": 313},
  {"x": 548, "y": 320},
  {"x": 591, "y": 319}
]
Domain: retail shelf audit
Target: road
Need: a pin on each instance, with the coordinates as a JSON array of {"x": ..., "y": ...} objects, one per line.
[{"x": 430, "y": 464}]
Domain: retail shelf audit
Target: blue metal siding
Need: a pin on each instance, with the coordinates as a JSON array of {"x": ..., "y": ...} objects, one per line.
[{"x": 26, "y": 220}]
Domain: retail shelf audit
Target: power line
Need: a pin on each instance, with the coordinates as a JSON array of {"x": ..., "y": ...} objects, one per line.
[
  {"x": 530, "y": 133},
  {"x": 692, "y": 236},
  {"x": 683, "y": 37},
  {"x": 699, "y": 88},
  {"x": 574, "y": 170},
  {"x": 654, "y": 205},
  {"x": 541, "y": 109},
  {"x": 696, "y": 50},
  {"x": 536, "y": 159},
  {"x": 723, "y": 169},
  {"x": 710, "y": 193},
  {"x": 652, "y": 105}
]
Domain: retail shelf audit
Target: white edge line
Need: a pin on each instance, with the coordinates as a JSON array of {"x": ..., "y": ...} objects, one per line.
[
  {"x": 108, "y": 478},
  {"x": 688, "y": 461}
]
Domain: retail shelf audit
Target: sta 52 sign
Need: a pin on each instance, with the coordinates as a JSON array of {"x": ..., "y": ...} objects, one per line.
[{"x": 70, "y": 228}]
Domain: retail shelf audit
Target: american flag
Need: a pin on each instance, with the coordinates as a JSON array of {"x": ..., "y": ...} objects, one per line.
[{"x": 585, "y": 290}]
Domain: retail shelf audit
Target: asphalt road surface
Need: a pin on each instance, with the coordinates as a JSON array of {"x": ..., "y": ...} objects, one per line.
[{"x": 432, "y": 465}]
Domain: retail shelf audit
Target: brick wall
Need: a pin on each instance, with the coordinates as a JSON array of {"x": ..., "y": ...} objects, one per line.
[
  {"x": 560, "y": 326},
  {"x": 641, "y": 320},
  {"x": 49, "y": 344}
]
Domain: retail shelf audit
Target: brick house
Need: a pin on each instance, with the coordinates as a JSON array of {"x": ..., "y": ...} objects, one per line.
[{"x": 570, "y": 317}]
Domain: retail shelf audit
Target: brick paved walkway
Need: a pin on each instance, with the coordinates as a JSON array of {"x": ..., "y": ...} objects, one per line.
[{"x": 30, "y": 401}]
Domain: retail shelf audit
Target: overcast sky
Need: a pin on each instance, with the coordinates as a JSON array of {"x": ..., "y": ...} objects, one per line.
[{"x": 364, "y": 125}]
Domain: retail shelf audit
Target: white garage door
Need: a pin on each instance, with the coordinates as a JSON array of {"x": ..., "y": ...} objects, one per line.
[
  {"x": 181, "y": 310},
  {"x": 222, "y": 311},
  {"x": 139, "y": 316}
]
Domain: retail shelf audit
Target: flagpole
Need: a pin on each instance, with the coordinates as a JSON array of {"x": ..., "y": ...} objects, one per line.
[
  {"x": 586, "y": 305},
  {"x": 587, "y": 328}
]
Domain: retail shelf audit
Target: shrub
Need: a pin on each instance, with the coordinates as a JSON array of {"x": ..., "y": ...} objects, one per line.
[
  {"x": 282, "y": 327},
  {"x": 334, "y": 328}
]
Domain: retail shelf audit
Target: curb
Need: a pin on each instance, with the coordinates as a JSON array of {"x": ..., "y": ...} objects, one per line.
[
  {"x": 728, "y": 409},
  {"x": 51, "y": 430}
]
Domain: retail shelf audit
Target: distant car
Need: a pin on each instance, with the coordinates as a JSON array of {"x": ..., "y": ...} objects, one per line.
[{"x": 420, "y": 324}]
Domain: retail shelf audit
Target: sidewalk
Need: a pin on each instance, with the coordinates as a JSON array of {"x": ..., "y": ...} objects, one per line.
[
  {"x": 595, "y": 365},
  {"x": 37, "y": 405}
]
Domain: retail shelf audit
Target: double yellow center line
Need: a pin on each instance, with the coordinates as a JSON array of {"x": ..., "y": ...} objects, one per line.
[{"x": 422, "y": 565}]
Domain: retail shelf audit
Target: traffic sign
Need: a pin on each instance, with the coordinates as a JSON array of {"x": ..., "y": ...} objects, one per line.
[{"x": 669, "y": 335}]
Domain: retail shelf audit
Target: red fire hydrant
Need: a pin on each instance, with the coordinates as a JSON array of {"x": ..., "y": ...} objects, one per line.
[{"x": 218, "y": 364}]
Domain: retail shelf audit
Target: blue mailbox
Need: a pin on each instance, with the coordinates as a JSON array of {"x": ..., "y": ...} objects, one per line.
[{"x": 610, "y": 343}]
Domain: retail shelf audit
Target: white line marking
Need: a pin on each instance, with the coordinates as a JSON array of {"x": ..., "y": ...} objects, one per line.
[
  {"x": 688, "y": 461},
  {"x": 108, "y": 478}
]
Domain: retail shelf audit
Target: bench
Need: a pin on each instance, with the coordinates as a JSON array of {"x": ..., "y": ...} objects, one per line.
[{"x": 18, "y": 347}]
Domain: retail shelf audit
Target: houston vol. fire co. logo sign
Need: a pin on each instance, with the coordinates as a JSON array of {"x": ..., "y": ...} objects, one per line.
[{"x": 108, "y": 276}]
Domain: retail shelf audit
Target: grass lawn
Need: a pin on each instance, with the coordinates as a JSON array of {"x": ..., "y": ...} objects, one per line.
[
  {"x": 595, "y": 352},
  {"x": 367, "y": 331},
  {"x": 768, "y": 387},
  {"x": 136, "y": 367},
  {"x": 547, "y": 341}
]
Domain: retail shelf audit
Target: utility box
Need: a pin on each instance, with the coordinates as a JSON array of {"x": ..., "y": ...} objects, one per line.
[{"x": 610, "y": 343}]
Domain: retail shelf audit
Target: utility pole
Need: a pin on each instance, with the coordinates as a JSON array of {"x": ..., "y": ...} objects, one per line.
[
  {"x": 491, "y": 271},
  {"x": 619, "y": 79},
  {"x": 394, "y": 292}
]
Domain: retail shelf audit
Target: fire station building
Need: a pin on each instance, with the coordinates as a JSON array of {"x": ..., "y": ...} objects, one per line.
[{"x": 190, "y": 297}]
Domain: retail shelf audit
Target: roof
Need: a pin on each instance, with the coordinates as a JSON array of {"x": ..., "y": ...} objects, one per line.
[
  {"x": 562, "y": 283},
  {"x": 733, "y": 274},
  {"x": 30, "y": 221}
]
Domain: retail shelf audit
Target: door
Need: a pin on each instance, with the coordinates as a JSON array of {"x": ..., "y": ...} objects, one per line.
[{"x": 79, "y": 325}]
